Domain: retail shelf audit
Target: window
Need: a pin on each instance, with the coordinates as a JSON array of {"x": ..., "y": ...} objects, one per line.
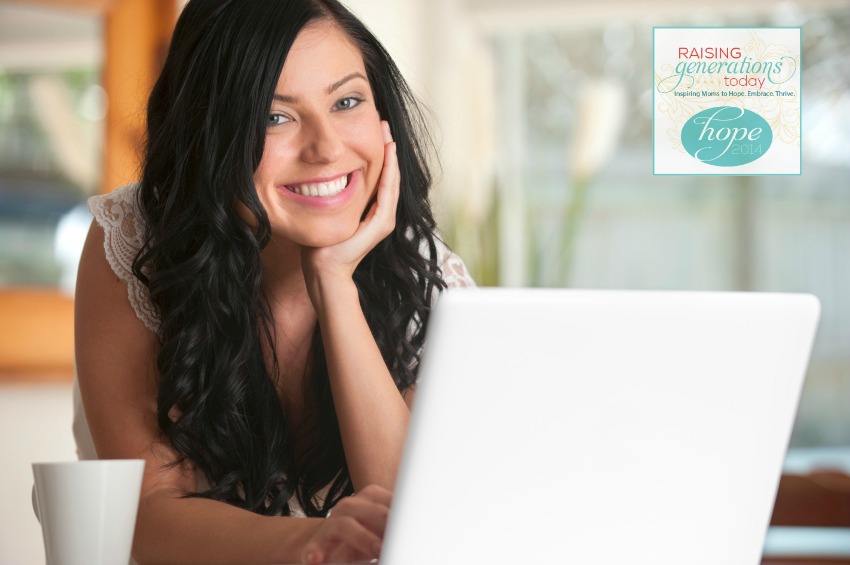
[
  {"x": 566, "y": 94},
  {"x": 51, "y": 128}
]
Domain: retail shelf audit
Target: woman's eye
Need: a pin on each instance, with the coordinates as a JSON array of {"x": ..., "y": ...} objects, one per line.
[
  {"x": 277, "y": 119},
  {"x": 347, "y": 103}
]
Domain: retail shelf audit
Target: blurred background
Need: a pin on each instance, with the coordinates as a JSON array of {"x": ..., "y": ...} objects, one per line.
[{"x": 541, "y": 112}]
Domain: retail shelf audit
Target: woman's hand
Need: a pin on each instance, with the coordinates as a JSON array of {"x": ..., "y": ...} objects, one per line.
[
  {"x": 339, "y": 261},
  {"x": 353, "y": 531}
]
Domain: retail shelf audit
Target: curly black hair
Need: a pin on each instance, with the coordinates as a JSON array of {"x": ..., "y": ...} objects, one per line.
[{"x": 217, "y": 401}]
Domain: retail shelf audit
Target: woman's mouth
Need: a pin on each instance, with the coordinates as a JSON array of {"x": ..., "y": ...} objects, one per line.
[{"x": 320, "y": 189}]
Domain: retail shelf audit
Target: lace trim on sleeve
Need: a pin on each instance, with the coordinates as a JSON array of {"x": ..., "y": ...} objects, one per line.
[
  {"x": 455, "y": 273},
  {"x": 124, "y": 235}
]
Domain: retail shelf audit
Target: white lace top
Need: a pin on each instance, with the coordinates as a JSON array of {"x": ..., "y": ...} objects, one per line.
[{"x": 117, "y": 214}]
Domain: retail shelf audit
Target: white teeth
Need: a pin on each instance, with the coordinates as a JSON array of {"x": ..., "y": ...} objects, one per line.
[{"x": 330, "y": 188}]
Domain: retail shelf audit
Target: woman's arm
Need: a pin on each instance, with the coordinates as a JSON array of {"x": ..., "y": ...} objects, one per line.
[
  {"x": 115, "y": 356},
  {"x": 372, "y": 415}
]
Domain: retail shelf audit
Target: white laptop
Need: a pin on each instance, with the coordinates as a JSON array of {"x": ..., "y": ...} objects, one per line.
[{"x": 599, "y": 427}]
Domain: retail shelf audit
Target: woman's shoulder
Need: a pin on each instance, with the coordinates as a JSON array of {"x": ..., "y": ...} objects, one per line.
[
  {"x": 118, "y": 215},
  {"x": 113, "y": 207}
]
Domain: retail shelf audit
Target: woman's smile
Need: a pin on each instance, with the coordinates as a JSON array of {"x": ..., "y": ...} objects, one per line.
[
  {"x": 323, "y": 193},
  {"x": 319, "y": 187}
]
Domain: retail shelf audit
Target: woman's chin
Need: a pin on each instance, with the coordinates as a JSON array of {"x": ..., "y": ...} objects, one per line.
[{"x": 326, "y": 238}]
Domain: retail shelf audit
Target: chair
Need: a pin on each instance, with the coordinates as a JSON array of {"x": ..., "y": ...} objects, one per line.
[{"x": 816, "y": 504}]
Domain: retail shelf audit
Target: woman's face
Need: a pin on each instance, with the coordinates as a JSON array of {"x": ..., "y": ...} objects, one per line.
[{"x": 324, "y": 145}]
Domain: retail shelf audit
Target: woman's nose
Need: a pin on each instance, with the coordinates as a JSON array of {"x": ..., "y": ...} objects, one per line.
[{"x": 322, "y": 143}]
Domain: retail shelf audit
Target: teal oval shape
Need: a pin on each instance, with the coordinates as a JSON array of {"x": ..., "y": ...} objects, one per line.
[{"x": 726, "y": 136}]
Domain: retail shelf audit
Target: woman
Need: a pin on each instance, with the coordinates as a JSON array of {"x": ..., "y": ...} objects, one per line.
[{"x": 280, "y": 264}]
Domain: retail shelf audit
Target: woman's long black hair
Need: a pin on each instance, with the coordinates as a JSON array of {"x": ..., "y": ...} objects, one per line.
[{"x": 217, "y": 401}]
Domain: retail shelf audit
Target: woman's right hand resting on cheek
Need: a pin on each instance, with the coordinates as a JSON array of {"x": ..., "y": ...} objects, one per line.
[{"x": 353, "y": 530}]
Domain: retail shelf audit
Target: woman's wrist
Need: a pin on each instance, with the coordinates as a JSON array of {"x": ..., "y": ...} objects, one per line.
[{"x": 331, "y": 290}]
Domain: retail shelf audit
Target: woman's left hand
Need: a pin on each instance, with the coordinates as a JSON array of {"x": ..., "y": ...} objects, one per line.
[
  {"x": 339, "y": 261},
  {"x": 354, "y": 532}
]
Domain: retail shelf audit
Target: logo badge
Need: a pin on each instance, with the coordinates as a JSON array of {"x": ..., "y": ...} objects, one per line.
[{"x": 726, "y": 136}]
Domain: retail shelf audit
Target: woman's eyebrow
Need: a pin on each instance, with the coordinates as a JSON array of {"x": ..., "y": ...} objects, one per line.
[
  {"x": 328, "y": 90},
  {"x": 344, "y": 80}
]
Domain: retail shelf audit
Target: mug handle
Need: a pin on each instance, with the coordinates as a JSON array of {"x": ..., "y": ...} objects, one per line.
[{"x": 35, "y": 503}]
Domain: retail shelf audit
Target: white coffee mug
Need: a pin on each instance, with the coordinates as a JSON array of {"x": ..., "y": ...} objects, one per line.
[{"x": 87, "y": 509}]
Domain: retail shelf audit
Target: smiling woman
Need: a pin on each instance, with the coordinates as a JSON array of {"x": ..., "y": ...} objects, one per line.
[{"x": 268, "y": 282}]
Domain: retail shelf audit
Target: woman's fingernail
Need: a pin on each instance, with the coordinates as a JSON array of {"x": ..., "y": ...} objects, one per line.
[{"x": 311, "y": 557}]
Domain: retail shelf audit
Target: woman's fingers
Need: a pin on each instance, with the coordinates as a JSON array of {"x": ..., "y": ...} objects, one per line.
[
  {"x": 388, "y": 134},
  {"x": 372, "y": 514},
  {"x": 353, "y": 531},
  {"x": 392, "y": 183},
  {"x": 389, "y": 186},
  {"x": 379, "y": 221},
  {"x": 343, "y": 537}
]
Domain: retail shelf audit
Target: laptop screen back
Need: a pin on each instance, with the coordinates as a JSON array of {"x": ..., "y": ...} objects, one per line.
[{"x": 599, "y": 427}]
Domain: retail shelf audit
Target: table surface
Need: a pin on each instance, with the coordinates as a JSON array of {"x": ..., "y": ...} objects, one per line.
[{"x": 803, "y": 545}]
